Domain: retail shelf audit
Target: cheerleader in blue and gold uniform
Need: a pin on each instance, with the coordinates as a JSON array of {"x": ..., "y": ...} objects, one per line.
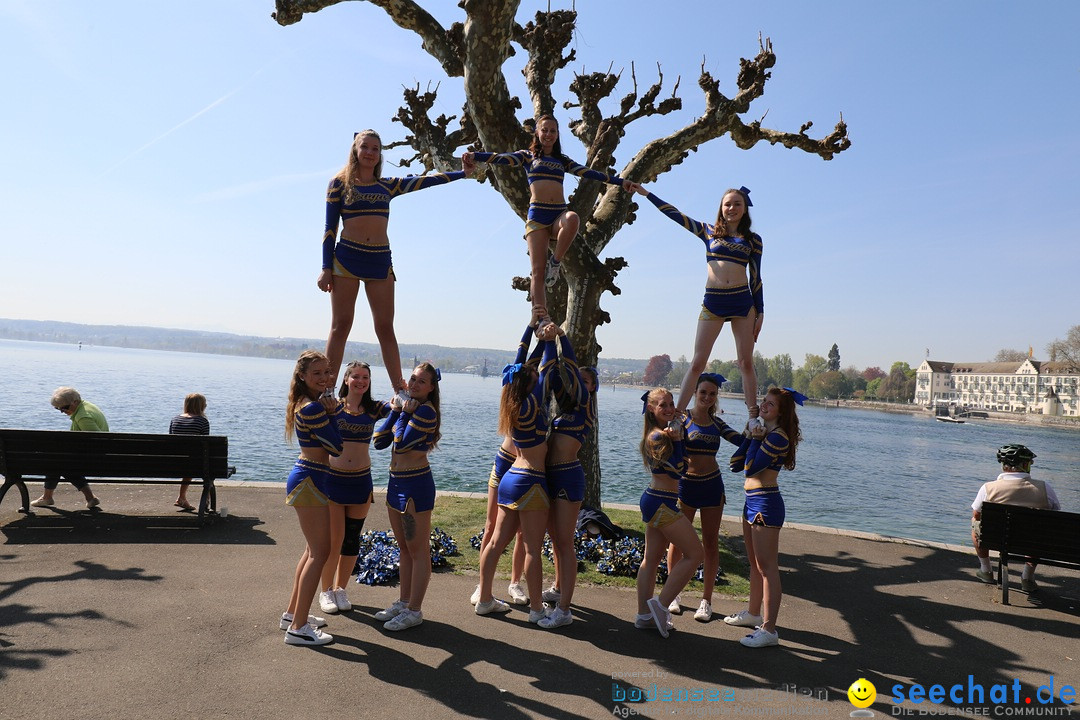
[
  {"x": 762, "y": 455},
  {"x": 702, "y": 487},
  {"x": 349, "y": 484},
  {"x": 733, "y": 290},
  {"x": 504, "y": 459},
  {"x": 545, "y": 167},
  {"x": 574, "y": 390},
  {"x": 523, "y": 498},
  {"x": 662, "y": 450},
  {"x": 359, "y": 198},
  {"x": 413, "y": 429},
  {"x": 310, "y": 414}
]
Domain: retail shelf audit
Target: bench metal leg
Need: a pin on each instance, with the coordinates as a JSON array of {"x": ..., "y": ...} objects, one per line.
[
  {"x": 17, "y": 482},
  {"x": 1003, "y": 576}
]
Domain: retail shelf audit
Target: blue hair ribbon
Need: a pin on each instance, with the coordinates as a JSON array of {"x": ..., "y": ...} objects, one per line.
[
  {"x": 715, "y": 378},
  {"x": 644, "y": 401},
  {"x": 797, "y": 396},
  {"x": 438, "y": 375},
  {"x": 509, "y": 372},
  {"x": 746, "y": 194}
]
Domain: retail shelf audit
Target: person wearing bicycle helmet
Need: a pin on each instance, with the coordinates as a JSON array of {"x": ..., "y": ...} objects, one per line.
[{"x": 1014, "y": 486}]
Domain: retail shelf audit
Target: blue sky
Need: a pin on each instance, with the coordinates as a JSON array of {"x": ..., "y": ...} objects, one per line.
[{"x": 166, "y": 165}]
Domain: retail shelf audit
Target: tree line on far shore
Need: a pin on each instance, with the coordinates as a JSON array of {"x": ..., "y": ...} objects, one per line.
[{"x": 823, "y": 378}]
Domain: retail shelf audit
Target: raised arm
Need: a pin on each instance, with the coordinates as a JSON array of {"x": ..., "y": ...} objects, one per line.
[
  {"x": 697, "y": 227},
  {"x": 571, "y": 362},
  {"x": 576, "y": 168},
  {"x": 523, "y": 346},
  {"x": 518, "y": 158},
  {"x": 412, "y": 183}
]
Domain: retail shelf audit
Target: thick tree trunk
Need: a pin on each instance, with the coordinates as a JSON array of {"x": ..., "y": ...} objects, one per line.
[{"x": 477, "y": 51}]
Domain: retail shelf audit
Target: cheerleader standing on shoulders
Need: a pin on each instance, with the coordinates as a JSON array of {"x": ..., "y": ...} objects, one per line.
[
  {"x": 310, "y": 414},
  {"x": 523, "y": 498},
  {"x": 733, "y": 290},
  {"x": 349, "y": 483},
  {"x": 574, "y": 389},
  {"x": 413, "y": 429},
  {"x": 762, "y": 454},
  {"x": 358, "y": 198},
  {"x": 545, "y": 167},
  {"x": 662, "y": 451},
  {"x": 702, "y": 487}
]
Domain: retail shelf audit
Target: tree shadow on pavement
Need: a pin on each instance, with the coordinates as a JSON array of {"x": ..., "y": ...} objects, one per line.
[{"x": 16, "y": 657}]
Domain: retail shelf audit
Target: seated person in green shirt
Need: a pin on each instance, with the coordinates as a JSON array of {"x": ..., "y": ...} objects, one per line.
[{"x": 84, "y": 416}]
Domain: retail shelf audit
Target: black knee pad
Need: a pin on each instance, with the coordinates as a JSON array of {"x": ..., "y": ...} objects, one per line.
[{"x": 350, "y": 544}]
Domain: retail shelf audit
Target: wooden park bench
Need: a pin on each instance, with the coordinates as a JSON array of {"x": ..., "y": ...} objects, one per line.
[
  {"x": 1018, "y": 533},
  {"x": 114, "y": 457}
]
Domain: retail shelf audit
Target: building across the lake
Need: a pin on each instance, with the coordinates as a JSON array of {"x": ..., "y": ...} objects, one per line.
[{"x": 1030, "y": 386}]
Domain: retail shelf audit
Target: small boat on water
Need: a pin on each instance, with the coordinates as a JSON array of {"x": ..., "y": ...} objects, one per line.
[{"x": 948, "y": 419}]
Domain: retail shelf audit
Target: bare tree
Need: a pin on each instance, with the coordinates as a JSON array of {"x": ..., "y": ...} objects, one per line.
[
  {"x": 476, "y": 51},
  {"x": 1068, "y": 350},
  {"x": 1010, "y": 355}
]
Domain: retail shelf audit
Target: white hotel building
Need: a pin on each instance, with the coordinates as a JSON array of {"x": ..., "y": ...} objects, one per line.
[{"x": 1030, "y": 386}]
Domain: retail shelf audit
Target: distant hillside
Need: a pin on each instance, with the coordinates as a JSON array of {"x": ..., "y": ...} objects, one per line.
[{"x": 151, "y": 338}]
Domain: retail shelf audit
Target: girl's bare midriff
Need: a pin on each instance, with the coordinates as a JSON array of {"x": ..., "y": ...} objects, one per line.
[
  {"x": 365, "y": 231},
  {"x": 725, "y": 274}
]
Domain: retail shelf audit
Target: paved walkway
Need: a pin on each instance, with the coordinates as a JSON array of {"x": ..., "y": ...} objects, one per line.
[{"x": 135, "y": 612}]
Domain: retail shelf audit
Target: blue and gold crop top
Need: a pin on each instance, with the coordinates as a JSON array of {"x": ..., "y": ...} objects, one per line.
[
  {"x": 742, "y": 251},
  {"x": 530, "y": 428},
  {"x": 704, "y": 440},
  {"x": 546, "y": 167},
  {"x": 673, "y": 467},
  {"x": 579, "y": 422},
  {"x": 315, "y": 429},
  {"x": 360, "y": 427},
  {"x": 345, "y": 203},
  {"x": 408, "y": 431},
  {"x": 753, "y": 456}
]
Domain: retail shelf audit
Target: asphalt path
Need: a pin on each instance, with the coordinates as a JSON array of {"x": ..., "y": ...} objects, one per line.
[{"x": 138, "y": 612}]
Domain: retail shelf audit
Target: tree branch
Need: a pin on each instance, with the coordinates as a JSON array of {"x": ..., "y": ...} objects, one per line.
[
  {"x": 545, "y": 39},
  {"x": 442, "y": 44}
]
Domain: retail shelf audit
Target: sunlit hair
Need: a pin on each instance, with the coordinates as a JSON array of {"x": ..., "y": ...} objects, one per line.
[
  {"x": 299, "y": 393},
  {"x": 787, "y": 421},
  {"x": 350, "y": 174},
  {"x": 433, "y": 400},
  {"x": 194, "y": 404},
  {"x": 720, "y": 229},
  {"x": 716, "y": 401},
  {"x": 366, "y": 402},
  {"x": 654, "y": 451},
  {"x": 537, "y": 147},
  {"x": 65, "y": 396},
  {"x": 513, "y": 397}
]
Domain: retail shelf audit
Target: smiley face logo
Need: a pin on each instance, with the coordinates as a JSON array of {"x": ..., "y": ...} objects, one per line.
[{"x": 862, "y": 693}]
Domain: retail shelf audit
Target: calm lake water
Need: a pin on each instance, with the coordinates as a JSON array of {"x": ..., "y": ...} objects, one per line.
[{"x": 862, "y": 470}]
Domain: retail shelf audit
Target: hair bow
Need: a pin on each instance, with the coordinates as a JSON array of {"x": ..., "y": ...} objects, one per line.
[
  {"x": 715, "y": 378},
  {"x": 438, "y": 375},
  {"x": 644, "y": 401},
  {"x": 746, "y": 194},
  {"x": 797, "y": 396},
  {"x": 510, "y": 371}
]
